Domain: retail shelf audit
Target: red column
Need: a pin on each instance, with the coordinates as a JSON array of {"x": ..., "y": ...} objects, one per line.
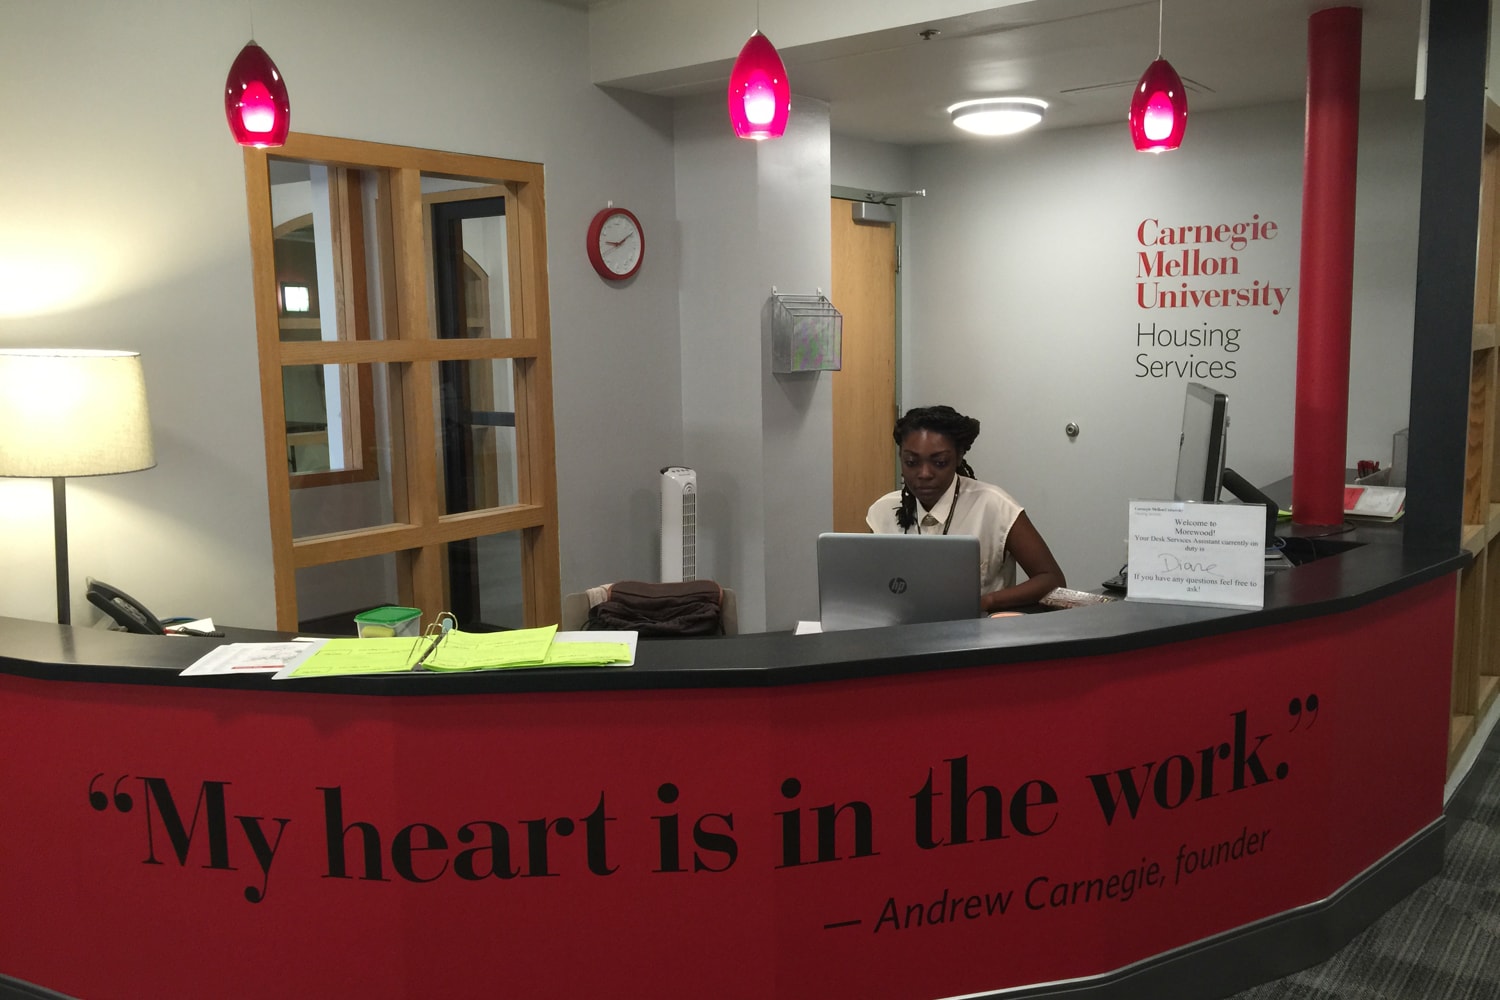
[{"x": 1327, "y": 276}]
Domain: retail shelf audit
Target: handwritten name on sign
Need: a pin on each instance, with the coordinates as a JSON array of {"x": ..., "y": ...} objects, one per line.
[{"x": 1197, "y": 553}]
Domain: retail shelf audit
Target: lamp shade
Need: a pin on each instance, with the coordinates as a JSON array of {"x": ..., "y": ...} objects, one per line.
[
  {"x": 760, "y": 98},
  {"x": 73, "y": 413},
  {"x": 1158, "y": 110},
  {"x": 256, "y": 101}
]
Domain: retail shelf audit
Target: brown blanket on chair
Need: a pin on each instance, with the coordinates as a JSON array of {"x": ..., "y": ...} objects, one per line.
[{"x": 693, "y": 607}]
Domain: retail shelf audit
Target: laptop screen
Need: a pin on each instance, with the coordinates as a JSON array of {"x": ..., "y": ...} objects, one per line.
[{"x": 870, "y": 581}]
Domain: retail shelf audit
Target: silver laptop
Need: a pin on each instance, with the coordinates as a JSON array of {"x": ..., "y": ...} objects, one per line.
[{"x": 869, "y": 581}]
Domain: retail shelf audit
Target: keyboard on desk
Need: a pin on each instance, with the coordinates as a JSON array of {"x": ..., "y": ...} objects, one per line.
[{"x": 1065, "y": 597}]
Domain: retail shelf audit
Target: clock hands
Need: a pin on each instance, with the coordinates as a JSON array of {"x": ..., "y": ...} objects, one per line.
[{"x": 615, "y": 243}]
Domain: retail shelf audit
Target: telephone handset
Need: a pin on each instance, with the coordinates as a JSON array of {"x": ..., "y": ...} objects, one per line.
[{"x": 124, "y": 609}]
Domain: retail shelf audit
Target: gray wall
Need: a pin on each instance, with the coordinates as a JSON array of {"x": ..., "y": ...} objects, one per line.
[
  {"x": 753, "y": 215},
  {"x": 1021, "y": 280},
  {"x": 129, "y": 231},
  {"x": 870, "y": 166}
]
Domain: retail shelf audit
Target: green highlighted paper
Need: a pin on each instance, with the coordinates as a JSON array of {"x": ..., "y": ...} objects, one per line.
[
  {"x": 586, "y": 654},
  {"x": 340, "y": 657},
  {"x": 456, "y": 650}
]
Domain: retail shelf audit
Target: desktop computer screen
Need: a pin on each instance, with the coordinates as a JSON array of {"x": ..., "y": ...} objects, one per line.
[
  {"x": 1202, "y": 452},
  {"x": 1202, "y": 472},
  {"x": 1201, "y": 446}
]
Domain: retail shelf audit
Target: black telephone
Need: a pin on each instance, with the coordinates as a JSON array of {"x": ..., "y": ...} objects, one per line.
[{"x": 124, "y": 609}]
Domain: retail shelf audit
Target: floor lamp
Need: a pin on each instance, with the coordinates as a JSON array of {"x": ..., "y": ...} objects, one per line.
[{"x": 71, "y": 413}]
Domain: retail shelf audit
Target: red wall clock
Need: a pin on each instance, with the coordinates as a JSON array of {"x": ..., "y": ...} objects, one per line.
[{"x": 616, "y": 243}]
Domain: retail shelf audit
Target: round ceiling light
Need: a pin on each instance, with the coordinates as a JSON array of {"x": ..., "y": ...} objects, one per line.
[{"x": 997, "y": 115}]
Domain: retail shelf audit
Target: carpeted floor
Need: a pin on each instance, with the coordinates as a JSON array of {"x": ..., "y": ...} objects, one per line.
[{"x": 1443, "y": 941}]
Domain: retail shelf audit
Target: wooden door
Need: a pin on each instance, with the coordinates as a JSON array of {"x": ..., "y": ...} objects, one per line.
[{"x": 864, "y": 391}]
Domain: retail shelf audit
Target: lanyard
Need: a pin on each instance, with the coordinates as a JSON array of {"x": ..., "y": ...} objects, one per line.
[{"x": 952, "y": 506}]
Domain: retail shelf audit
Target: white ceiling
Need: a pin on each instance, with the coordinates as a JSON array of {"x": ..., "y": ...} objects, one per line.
[{"x": 1081, "y": 56}]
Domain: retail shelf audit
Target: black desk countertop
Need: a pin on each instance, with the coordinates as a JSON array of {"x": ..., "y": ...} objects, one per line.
[{"x": 1374, "y": 566}]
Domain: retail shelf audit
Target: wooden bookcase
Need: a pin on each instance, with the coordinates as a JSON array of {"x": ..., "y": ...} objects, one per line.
[{"x": 1476, "y": 649}]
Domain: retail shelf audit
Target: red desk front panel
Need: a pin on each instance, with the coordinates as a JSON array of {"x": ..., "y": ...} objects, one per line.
[{"x": 795, "y": 841}]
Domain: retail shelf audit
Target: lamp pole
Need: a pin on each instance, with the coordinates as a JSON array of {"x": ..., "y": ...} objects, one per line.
[{"x": 60, "y": 542}]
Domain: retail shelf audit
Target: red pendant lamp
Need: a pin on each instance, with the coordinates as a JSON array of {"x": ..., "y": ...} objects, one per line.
[
  {"x": 760, "y": 98},
  {"x": 255, "y": 100},
  {"x": 1158, "y": 110}
]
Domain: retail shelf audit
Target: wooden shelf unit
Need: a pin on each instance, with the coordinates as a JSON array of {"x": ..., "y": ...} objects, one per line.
[{"x": 1476, "y": 647}]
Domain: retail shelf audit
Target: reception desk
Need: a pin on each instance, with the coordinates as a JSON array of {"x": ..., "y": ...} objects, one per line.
[{"x": 1114, "y": 800}]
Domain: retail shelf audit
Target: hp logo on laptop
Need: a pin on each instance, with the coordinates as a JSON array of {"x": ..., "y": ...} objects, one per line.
[{"x": 897, "y": 585}]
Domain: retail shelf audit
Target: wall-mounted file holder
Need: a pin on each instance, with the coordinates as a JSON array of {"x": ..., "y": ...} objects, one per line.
[{"x": 807, "y": 334}]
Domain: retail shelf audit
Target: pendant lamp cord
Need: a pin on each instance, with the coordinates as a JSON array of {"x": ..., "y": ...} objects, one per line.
[{"x": 1159, "y": 5}]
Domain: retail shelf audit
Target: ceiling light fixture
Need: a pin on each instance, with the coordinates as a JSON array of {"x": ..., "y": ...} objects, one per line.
[
  {"x": 760, "y": 98},
  {"x": 997, "y": 115},
  {"x": 255, "y": 100},
  {"x": 1158, "y": 109}
]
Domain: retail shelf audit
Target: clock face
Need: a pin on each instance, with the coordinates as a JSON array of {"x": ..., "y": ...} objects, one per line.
[{"x": 616, "y": 243}]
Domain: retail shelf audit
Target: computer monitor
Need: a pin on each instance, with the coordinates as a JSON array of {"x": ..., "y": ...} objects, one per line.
[
  {"x": 1202, "y": 450},
  {"x": 1201, "y": 446}
]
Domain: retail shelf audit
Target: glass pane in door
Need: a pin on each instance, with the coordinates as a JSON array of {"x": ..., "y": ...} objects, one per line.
[
  {"x": 471, "y": 261},
  {"x": 332, "y": 282},
  {"x": 477, "y": 437},
  {"x": 341, "y": 426},
  {"x": 484, "y": 577},
  {"x": 329, "y": 596}
]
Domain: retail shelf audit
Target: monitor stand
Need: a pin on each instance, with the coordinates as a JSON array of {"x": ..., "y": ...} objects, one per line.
[{"x": 1244, "y": 492}]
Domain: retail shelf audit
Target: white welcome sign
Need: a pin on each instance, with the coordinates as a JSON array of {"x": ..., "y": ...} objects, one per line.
[{"x": 1197, "y": 553}]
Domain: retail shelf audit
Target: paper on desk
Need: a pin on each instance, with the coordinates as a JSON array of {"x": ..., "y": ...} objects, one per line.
[
  {"x": 349, "y": 657},
  {"x": 198, "y": 625},
  {"x": 254, "y": 657},
  {"x": 516, "y": 650},
  {"x": 592, "y": 649},
  {"x": 468, "y": 651},
  {"x": 566, "y": 649},
  {"x": 1380, "y": 502},
  {"x": 461, "y": 650}
]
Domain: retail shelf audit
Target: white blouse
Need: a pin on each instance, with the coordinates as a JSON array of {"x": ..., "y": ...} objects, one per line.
[{"x": 984, "y": 511}]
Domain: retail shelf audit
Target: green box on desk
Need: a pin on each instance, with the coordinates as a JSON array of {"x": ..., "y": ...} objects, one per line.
[{"x": 388, "y": 621}]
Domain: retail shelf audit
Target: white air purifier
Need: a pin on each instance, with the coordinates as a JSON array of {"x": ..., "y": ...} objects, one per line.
[{"x": 679, "y": 524}]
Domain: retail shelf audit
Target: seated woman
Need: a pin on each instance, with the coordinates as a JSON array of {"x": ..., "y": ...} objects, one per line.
[{"x": 940, "y": 495}]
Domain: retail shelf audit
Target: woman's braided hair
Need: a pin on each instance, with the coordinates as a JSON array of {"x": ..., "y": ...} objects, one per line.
[{"x": 948, "y": 422}]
